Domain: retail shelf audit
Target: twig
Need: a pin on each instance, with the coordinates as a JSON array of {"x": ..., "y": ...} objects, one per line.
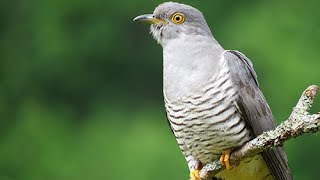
[{"x": 299, "y": 122}]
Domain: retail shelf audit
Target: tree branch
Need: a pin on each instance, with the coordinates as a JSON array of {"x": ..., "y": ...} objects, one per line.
[{"x": 299, "y": 122}]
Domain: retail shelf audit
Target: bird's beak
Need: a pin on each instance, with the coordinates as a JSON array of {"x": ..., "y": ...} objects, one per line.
[{"x": 148, "y": 18}]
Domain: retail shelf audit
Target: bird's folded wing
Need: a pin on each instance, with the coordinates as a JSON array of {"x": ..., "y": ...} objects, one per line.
[{"x": 255, "y": 110}]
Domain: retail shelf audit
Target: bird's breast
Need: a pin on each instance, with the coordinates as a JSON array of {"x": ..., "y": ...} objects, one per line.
[{"x": 207, "y": 121}]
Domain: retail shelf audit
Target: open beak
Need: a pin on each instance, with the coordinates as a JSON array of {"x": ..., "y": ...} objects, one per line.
[{"x": 148, "y": 18}]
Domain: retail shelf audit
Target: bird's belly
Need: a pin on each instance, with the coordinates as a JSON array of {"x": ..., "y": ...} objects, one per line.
[{"x": 207, "y": 141}]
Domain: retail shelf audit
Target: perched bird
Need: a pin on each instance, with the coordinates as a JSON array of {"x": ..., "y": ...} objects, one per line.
[{"x": 212, "y": 96}]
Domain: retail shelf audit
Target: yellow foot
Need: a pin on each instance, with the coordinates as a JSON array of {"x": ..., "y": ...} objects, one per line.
[
  {"x": 194, "y": 175},
  {"x": 224, "y": 159}
]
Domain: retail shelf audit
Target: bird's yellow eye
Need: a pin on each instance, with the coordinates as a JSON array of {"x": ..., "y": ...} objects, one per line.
[{"x": 178, "y": 18}]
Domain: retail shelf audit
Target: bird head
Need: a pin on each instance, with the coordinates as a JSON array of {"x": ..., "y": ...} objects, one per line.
[{"x": 172, "y": 20}]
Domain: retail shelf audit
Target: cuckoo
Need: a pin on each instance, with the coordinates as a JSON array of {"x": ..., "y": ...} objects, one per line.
[{"x": 212, "y": 97}]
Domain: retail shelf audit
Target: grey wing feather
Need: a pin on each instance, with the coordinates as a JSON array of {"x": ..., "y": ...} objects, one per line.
[{"x": 255, "y": 110}]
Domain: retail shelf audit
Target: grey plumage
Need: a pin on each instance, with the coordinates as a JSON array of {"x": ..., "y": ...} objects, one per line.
[
  {"x": 256, "y": 111},
  {"x": 212, "y": 95}
]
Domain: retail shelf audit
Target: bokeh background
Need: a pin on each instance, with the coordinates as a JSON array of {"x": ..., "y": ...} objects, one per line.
[{"x": 81, "y": 84}]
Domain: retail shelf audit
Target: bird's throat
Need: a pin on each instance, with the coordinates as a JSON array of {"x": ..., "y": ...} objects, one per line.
[{"x": 187, "y": 67}]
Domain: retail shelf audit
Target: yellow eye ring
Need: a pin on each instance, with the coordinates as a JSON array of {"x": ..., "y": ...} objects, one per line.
[{"x": 178, "y": 18}]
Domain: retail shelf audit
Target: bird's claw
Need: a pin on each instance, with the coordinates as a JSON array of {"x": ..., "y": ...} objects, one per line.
[
  {"x": 224, "y": 159},
  {"x": 194, "y": 175}
]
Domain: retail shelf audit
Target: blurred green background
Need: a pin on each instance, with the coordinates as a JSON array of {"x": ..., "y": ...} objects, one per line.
[{"x": 81, "y": 84}]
